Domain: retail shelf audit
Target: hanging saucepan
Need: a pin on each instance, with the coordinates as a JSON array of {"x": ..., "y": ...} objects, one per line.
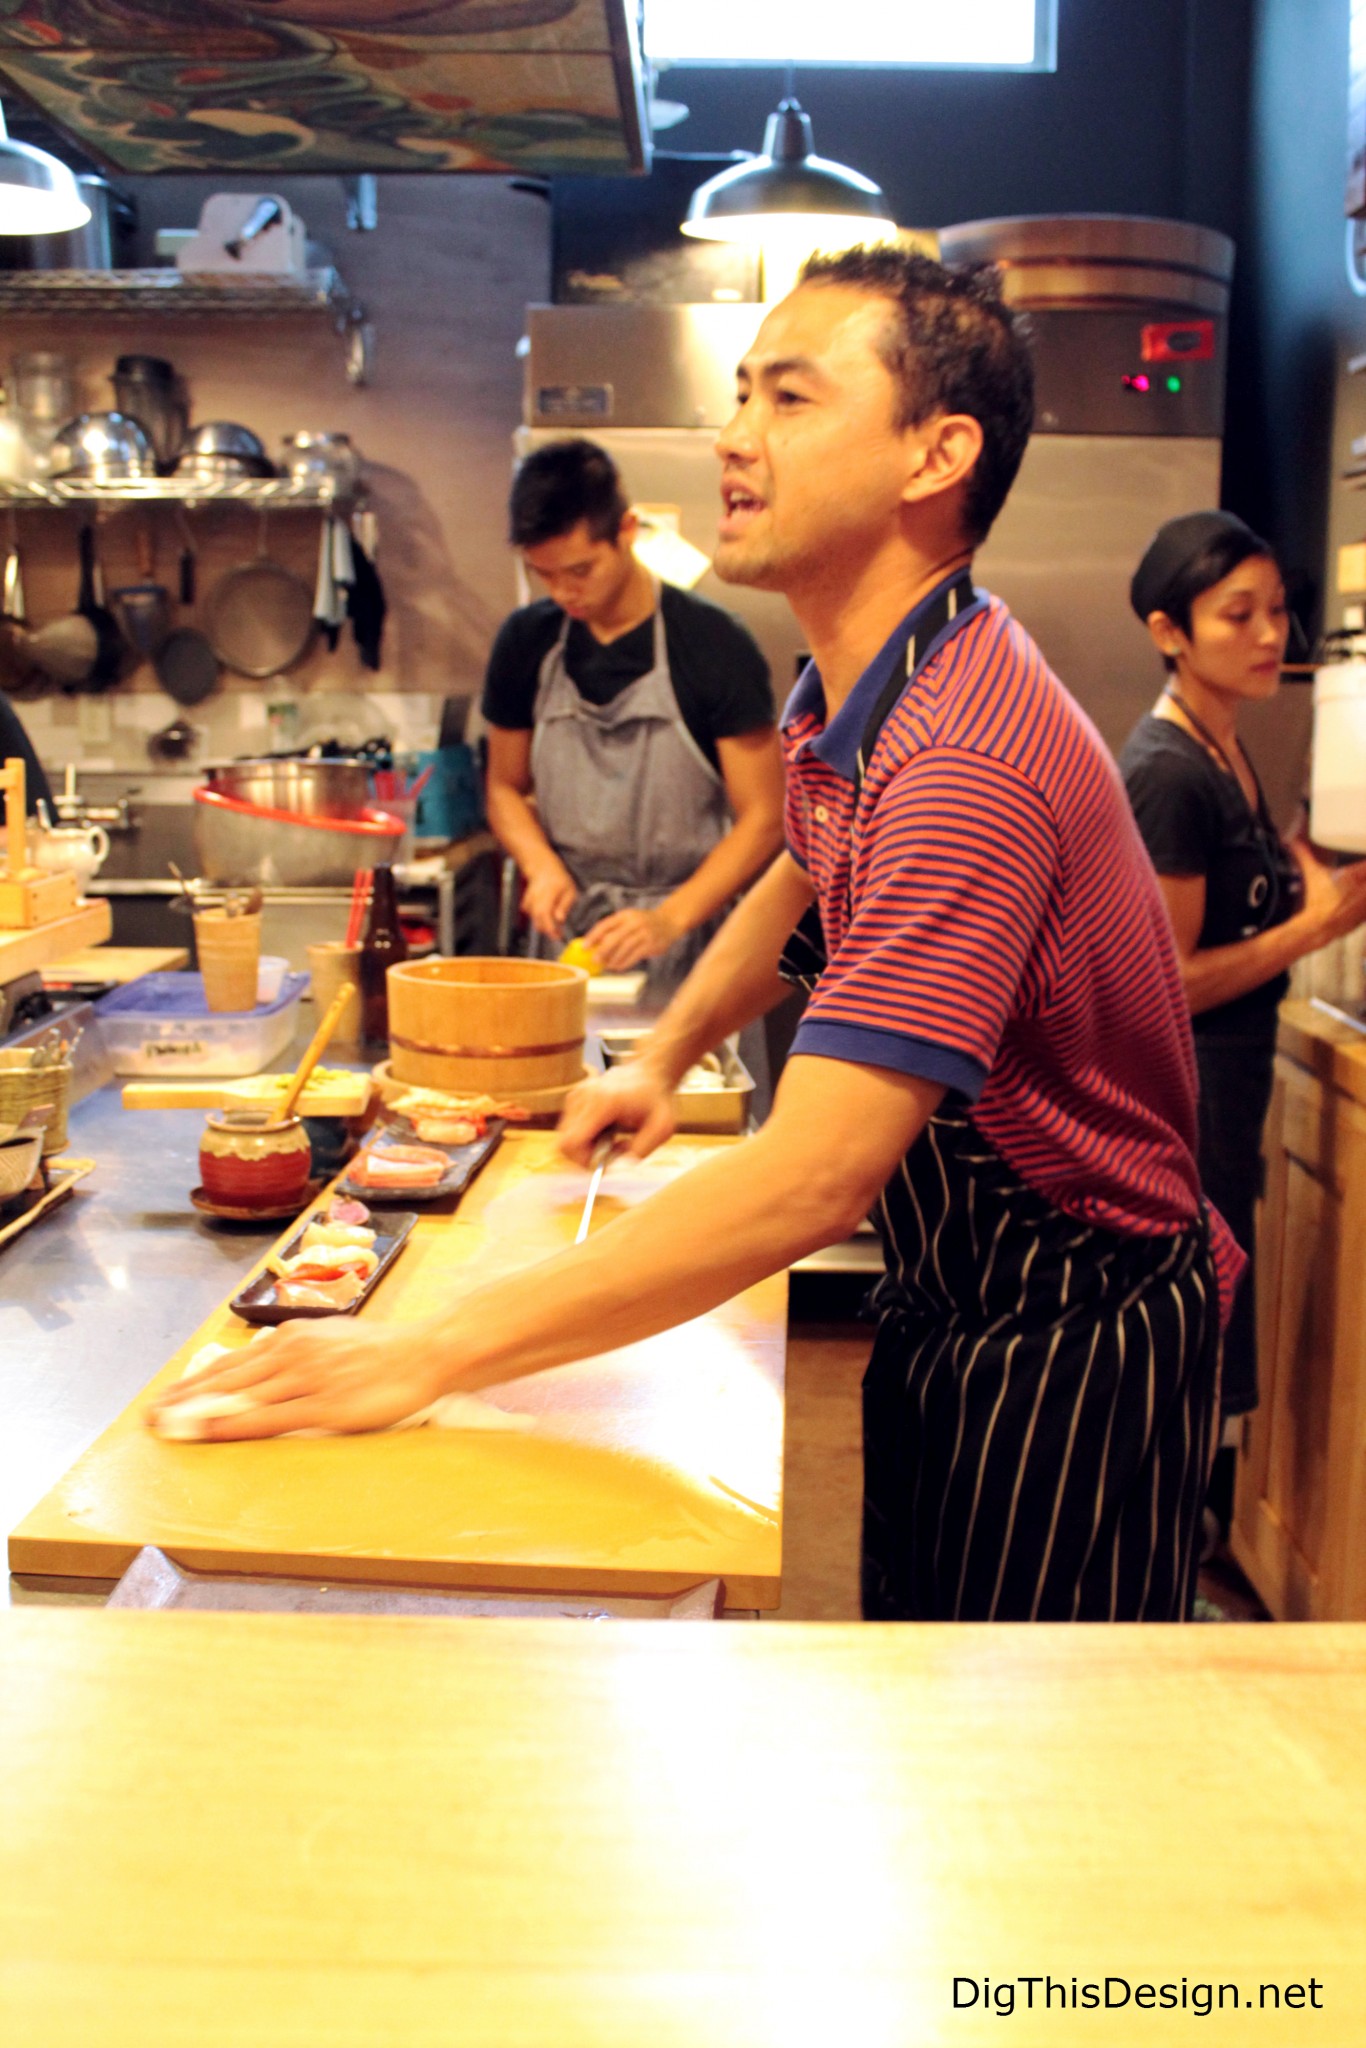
[{"x": 259, "y": 617}]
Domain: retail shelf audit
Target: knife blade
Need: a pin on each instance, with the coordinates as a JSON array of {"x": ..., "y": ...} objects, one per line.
[{"x": 601, "y": 1154}]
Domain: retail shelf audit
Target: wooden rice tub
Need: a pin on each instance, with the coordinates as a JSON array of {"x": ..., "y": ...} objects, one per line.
[{"x": 487, "y": 1026}]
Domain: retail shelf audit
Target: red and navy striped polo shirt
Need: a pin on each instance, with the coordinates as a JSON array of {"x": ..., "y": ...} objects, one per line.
[{"x": 992, "y": 921}]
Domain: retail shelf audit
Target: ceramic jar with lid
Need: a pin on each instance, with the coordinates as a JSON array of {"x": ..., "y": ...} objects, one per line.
[{"x": 251, "y": 1159}]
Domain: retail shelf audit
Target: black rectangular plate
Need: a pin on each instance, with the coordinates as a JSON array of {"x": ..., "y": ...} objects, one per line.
[
  {"x": 257, "y": 1303},
  {"x": 466, "y": 1161}
]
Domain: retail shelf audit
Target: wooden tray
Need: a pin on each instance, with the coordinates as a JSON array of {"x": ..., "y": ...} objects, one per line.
[
  {"x": 257, "y": 1303},
  {"x": 64, "y": 1175},
  {"x": 466, "y": 1160}
]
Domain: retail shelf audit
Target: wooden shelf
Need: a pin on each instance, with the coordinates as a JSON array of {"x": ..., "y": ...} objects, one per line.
[{"x": 22, "y": 952}]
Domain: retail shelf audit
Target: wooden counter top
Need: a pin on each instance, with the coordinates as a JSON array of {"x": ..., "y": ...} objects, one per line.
[
  {"x": 647, "y": 1470},
  {"x": 252, "y": 1832},
  {"x": 1335, "y": 1051}
]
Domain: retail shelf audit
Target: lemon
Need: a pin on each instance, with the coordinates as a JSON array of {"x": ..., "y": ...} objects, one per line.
[{"x": 578, "y": 953}]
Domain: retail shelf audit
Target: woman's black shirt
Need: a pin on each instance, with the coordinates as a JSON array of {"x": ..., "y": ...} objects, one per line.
[{"x": 1195, "y": 820}]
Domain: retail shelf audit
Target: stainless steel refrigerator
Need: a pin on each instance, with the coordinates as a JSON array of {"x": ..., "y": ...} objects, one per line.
[{"x": 1130, "y": 335}]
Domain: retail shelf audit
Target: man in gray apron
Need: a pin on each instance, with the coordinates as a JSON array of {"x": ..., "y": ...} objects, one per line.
[
  {"x": 995, "y": 1061},
  {"x": 634, "y": 772}
]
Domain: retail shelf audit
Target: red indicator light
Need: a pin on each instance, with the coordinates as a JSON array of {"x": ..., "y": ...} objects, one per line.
[
  {"x": 1138, "y": 383},
  {"x": 1178, "y": 341}
]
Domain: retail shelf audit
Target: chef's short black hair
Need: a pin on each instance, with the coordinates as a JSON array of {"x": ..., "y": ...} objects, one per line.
[
  {"x": 953, "y": 345},
  {"x": 559, "y": 485}
]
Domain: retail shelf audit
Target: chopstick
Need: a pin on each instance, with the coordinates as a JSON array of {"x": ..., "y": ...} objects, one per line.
[
  {"x": 360, "y": 891},
  {"x": 315, "y": 1048}
]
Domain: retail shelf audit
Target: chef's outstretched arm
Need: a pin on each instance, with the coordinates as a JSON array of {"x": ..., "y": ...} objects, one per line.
[
  {"x": 752, "y": 769},
  {"x": 805, "y": 1180},
  {"x": 735, "y": 981}
]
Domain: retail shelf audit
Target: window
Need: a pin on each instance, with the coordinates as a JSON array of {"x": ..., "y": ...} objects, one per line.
[{"x": 993, "y": 34}]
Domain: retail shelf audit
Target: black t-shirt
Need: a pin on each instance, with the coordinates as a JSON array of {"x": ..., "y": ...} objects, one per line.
[
  {"x": 1195, "y": 820},
  {"x": 719, "y": 676},
  {"x": 14, "y": 740}
]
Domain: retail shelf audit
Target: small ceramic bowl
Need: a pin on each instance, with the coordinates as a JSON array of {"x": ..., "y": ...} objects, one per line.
[{"x": 249, "y": 1159}]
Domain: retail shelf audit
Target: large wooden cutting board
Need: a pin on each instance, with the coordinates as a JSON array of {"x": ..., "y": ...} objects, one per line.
[{"x": 646, "y": 1470}]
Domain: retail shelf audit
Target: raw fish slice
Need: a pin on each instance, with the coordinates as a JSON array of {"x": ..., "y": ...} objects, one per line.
[{"x": 305, "y": 1293}]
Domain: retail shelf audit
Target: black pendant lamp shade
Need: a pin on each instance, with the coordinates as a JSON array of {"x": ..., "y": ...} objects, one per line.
[{"x": 787, "y": 184}]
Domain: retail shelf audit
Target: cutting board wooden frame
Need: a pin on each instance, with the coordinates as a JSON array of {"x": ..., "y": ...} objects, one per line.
[
  {"x": 646, "y": 1471},
  {"x": 21, "y": 952}
]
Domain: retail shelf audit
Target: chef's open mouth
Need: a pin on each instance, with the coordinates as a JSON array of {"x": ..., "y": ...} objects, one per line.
[{"x": 738, "y": 506}]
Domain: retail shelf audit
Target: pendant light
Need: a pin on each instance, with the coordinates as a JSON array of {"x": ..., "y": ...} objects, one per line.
[
  {"x": 38, "y": 193},
  {"x": 789, "y": 194}
]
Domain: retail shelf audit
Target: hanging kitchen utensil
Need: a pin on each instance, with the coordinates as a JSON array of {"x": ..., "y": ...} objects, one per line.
[
  {"x": 259, "y": 617},
  {"x": 326, "y": 615},
  {"x": 186, "y": 665},
  {"x": 14, "y": 605},
  {"x": 90, "y": 605},
  {"x": 63, "y": 651},
  {"x": 366, "y": 606},
  {"x": 143, "y": 609}
]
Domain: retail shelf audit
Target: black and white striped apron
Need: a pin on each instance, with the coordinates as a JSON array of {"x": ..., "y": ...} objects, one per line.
[
  {"x": 1038, "y": 1411},
  {"x": 1039, "y": 1408}
]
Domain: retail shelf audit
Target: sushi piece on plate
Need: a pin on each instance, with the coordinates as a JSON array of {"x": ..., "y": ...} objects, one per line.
[
  {"x": 399, "y": 1166},
  {"x": 336, "y": 1234},
  {"x": 327, "y": 1261},
  {"x": 338, "y": 1292}
]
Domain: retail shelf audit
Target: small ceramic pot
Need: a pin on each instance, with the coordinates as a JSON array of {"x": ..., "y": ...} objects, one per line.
[{"x": 249, "y": 1159}]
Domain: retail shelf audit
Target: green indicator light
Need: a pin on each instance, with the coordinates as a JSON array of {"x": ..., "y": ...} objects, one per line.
[{"x": 1173, "y": 383}]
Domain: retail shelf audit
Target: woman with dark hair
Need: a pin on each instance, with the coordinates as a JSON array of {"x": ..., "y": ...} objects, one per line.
[{"x": 1244, "y": 903}]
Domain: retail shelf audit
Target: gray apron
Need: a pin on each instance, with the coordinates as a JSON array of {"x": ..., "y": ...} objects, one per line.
[{"x": 627, "y": 798}]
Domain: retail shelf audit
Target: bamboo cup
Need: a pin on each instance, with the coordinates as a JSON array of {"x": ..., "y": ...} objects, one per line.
[
  {"x": 229, "y": 950},
  {"x": 333, "y": 965}
]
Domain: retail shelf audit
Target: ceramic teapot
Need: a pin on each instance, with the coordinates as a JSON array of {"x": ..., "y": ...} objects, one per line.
[{"x": 80, "y": 849}]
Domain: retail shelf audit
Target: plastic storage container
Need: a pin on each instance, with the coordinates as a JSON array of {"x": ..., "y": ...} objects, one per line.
[
  {"x": 1337, "y": 801},
  {"x": 161, "y": 1024}
]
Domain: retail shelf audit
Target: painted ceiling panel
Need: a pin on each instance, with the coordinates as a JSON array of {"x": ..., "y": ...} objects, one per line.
[
  {"x": 529, "y": 86},
  {"x": 235, "y": 28}
]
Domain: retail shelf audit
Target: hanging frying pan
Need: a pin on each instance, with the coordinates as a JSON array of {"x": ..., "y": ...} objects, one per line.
[
  {"x": 110, "y": 646},
  {"x": 186, "y": 665},
  {"x": 259, "y": 617}
]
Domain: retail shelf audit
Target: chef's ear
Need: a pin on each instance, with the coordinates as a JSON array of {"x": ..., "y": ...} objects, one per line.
[
  {"x": 629, "y": 528},
  {"x": 1167, "y": 635},
  {"x": 946, "y": 451}
]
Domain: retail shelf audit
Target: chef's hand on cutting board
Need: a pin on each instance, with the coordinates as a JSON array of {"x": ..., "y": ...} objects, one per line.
[
  {"x": 335, "y": 1375},
  {"x": 548, "y": 897},
  {"x": 632, "y": 1099}
]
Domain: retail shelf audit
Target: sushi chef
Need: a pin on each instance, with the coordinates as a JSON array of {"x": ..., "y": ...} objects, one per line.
[
  {"x": 996, "y": 1059},
  {"x": 634, "y": 772}
]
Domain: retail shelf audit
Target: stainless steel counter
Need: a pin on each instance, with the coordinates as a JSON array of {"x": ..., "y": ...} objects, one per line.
[{"x": 96, "y": 1295}]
